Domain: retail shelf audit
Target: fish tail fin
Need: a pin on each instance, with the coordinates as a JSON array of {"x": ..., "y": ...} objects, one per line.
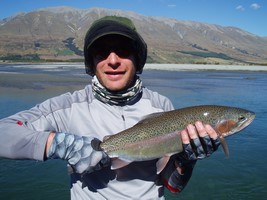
[{"x": 224, "y": 146}]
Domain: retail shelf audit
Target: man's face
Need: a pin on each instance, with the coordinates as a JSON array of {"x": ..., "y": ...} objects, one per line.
[{"x": 114, "y": 62}]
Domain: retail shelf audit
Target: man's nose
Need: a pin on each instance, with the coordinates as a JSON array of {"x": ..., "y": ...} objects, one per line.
[{"x": 113, "y": 58}]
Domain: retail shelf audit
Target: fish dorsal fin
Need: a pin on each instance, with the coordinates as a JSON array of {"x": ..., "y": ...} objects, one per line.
[
  {"x": 117, "y": 163},
  {"x": 149, "y": 117},
  {"x": 162, "y": 162},
  {"x": 224, "y": 146}
]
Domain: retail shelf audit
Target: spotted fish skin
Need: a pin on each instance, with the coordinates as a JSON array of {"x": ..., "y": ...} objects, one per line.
[{"x": 158, "y": 134}]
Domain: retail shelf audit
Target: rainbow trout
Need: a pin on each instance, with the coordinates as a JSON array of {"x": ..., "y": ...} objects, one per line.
[{"x": 158, "y": 134}]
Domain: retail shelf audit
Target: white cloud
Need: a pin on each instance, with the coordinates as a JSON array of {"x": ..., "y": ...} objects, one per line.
[
  {"x": 255, "y": 6},
  {"x": 240, "y": 7},
  {"x": 171, "y": 5}
]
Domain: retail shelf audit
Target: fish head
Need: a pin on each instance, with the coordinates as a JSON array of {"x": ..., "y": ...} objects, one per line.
[{"x": 233, "y": 120}]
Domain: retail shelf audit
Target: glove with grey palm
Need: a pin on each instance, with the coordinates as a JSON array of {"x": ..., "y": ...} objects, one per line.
[{"x": 200, "y": 148}]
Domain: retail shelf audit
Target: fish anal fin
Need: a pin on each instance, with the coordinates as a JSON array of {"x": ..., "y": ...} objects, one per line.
[
  {"x": 117, "y": 163},
  {"x": 162, "y": 162},
  {"x": 224, "y": 146}
]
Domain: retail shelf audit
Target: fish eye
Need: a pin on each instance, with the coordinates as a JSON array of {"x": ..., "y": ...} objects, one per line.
[{"x": 241, "y": 118}]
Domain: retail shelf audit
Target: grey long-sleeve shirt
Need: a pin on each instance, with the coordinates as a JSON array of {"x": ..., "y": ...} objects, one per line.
[{"x": 24, "y": 136}]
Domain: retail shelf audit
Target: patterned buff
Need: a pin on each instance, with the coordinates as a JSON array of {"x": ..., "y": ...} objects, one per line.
[{"x": 116, "y": 98}]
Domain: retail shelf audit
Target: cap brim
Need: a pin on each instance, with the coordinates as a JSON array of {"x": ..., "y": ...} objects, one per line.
[{"x": 109, "y": 33}]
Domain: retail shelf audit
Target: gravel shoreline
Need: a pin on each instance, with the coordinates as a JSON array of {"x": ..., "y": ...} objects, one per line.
[
  {"x": 170, "y": 67},
  {"x": 11, "y": 81},
  {"x": 191, "y": 67}
]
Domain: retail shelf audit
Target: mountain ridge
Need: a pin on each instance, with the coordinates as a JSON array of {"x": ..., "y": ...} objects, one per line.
[{"x": 57, "y": 33}]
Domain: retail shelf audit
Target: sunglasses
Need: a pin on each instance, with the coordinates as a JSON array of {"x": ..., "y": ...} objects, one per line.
[{"x": 101, "y": 52}]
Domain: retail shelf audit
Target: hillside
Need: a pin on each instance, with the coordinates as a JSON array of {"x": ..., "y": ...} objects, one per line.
[{"x": 58, "y": 33}]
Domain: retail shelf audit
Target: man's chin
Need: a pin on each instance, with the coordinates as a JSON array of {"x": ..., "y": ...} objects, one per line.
[{"x": 116, "y": 87}]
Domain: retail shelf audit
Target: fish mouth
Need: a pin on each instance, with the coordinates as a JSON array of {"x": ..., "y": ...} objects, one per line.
[{"x": 248, "y": 121}]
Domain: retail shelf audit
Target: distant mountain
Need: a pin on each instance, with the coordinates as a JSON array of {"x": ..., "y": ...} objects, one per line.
[{"x": 57, "y": 34}]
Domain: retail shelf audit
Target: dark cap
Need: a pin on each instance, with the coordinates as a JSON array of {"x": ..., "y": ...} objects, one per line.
[{"x": 111, "y": 25}]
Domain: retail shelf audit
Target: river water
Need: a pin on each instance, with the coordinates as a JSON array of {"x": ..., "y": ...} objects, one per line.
[{"x": 242, "y": 175}]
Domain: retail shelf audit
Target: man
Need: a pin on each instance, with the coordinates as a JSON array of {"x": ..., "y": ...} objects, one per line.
[{"x": 70, "y": 126}]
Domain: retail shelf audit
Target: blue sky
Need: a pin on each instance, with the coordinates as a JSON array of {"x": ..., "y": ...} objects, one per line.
[{"x": 249, "y": 15}]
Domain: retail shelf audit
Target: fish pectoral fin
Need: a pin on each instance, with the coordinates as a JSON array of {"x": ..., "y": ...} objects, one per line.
[
  {"x": 162, "y": 162},
  {"x": 224, "y": 146},
  {"x": 117, "y": 163}
]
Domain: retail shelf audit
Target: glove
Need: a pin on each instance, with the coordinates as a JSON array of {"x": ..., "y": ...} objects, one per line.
[
  {"x": 199, "y": 148},
  {"x": 78, "y": 151},
  {"x": 176, "y": 179}
]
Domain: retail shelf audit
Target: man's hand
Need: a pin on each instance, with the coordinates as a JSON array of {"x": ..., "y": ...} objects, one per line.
[
  {"x": 78, "y": 151},
  {"x": 199, "y": 140}
]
